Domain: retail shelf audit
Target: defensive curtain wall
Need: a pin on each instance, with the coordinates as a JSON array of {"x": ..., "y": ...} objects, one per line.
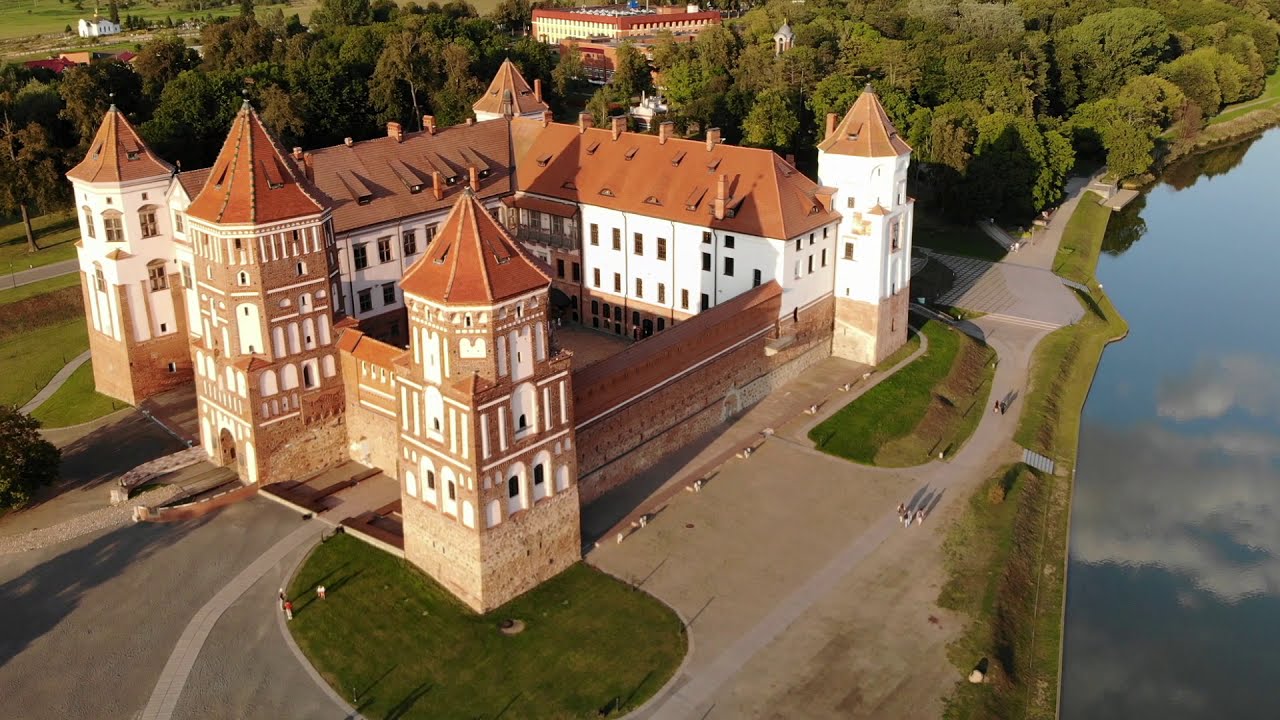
[{"x": 636, "y": 407}]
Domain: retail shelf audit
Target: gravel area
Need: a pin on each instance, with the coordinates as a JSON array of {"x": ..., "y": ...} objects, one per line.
[{"x": 106, "y": 518}]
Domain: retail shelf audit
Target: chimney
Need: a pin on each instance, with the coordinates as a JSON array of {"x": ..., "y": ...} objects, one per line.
[
  {"x": 546, "y": 118},
  {"x": 437, "y": 185},
  {"x": 619, "y": 125},
  {"x": 308, "y": 167},
  {"x": 297, "y": 153},
  {"x": 537, "y": 89},
  {"x": 585, "y": 121},
  {"x": 394, "y": 131},
  {"x": 713, "y": 138},
  {"x": 722, "y": 184},
  {"x": 475, "y": 178},
  {"x": 348, "y": 141},
  {"x": 831, "y": 125},
  {"x": 429, "y": 124},
  {"x": 791, "y": 159},
  {"x": 664, "y": 131}
]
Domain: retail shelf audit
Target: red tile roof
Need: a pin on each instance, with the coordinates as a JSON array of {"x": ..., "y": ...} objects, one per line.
[
  {"x": 370, "y": 350},
  {"x": 57, "y": 65},
  {"x": 676, "y": 180},
  {"x": 253, "y": 181},
  {"x": 866, "y": 131},
  {"x": 473, "y": 261},
  {"x": 193, "y": 180},
  {"x": 390, "y": 170},
  {"x": 509, "y": 94},
  {"x": 118, "y": 154}
]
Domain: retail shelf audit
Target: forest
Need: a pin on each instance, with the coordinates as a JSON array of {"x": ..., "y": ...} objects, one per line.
[{"x": 1000, "y": 100}]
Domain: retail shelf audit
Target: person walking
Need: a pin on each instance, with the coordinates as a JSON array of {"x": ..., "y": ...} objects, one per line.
[
  {"x": 902, "y": 510},
  {"x": 996, "y": 407},
  {"x": 320, "y": 592},
  {"x": 288, "y": 610},
  {"x": 282, "y": 598},
  {"x": 920, "y": 516}
]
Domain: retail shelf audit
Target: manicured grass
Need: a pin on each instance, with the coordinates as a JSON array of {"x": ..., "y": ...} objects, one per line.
[
  {"x": 1270, "y": 97},
  {"x": 29, "y": 360},
  {"x": 944, "y": 237},
  {"x": 932, "y": 405},
  {"x": 1082, "y": 240},
  {"x": 56, "y": 234},
  {"x": 40, "y": 287},
  {"x": 397, "y": 645},
  {"x": 76, "y": 401},
  {"x": 20, "y": 18}
]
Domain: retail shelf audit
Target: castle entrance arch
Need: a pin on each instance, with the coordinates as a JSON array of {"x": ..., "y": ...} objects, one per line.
[{"x": 226, "y": 448}]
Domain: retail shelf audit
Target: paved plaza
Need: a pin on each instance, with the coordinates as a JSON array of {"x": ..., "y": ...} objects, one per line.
[{"x": 1028, "y": 295}]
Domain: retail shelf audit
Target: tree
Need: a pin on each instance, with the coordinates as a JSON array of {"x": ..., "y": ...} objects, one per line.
[
  {"x": 1106, "y": 49},
  {"x": 630, "y": 72},
  {"x": 114, "y": 12},
  {"x": 772, "y": 121},
  {"x": 27, "y": 461},
  {"x": 568, "y": 71},
  {"x": 30, "y": 172},
  {"x": 405, "y": 64},
  {"x": 246, "y": 8},
  {"x": 513, "y": 15},
  {"x": 452, "y": 103},
  {"x": 191, "y": 121},
  {"x": 88, "y": 90},
  {"x": 282, "y": 113},
  {"x": 162, "y": 60},
  {"x": 339, "y": 13}
]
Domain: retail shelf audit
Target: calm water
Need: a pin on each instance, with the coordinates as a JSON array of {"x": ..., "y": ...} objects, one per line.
[{"x": 1173, "y": 601}]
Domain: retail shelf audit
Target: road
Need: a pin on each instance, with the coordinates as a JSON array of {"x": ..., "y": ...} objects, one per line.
[{"x": 36, "y": 274}]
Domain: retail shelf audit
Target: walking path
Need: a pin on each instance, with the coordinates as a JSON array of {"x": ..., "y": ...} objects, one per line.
[
  {"x": 36, "y": 274},
  {"x": 61, "y": 377}
]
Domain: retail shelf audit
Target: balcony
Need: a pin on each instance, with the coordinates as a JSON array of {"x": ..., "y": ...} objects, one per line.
[{"x": 543, "y": 236}]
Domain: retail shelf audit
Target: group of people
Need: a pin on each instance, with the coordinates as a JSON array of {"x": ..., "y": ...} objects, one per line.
[
  {"x": 1000, "y": 407},
  {"x": 905, "y": 516}
]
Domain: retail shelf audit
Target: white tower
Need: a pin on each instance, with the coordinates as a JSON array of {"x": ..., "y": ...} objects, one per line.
[{"x": 866, "y": 162}]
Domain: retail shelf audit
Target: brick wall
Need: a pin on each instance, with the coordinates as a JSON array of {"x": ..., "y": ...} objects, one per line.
[
  {"x": 373, "y": 438},
  {"x": 530, "y": 548},
  {"x": 292, "y": 450},
  {"x": 444, "y": 549},
  {"x": 869, "y": 333}
]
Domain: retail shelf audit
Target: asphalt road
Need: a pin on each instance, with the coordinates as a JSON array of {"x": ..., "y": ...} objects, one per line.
[{"x": 23, "y": 277}]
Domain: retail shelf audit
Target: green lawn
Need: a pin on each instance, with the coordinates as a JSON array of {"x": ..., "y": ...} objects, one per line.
[
  {"x": 40, "y": 287},
  {"x": 1082, "y": 240},
  {"x": 20, "y": 18},
  {"x": 931, "y": 405},
  {"x": 30, "y": 359},
  {"x": 391, "y": 637},
  {"x": 1270, "y": 97},
  {"x": 76, "y": 401},
  {"x": 945, "y": 237},
  {"x": 56, "y": 234}
]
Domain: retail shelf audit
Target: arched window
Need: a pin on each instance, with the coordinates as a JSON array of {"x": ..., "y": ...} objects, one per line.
[
  {"x": 539, "y": 474},
  {"x": 308, "y": 376},
  {"x": 523, "y": 422},
  {"x": 113, "y": 223},
  {"x": 89, "y": 228},
  {"x": 277, "y": 341},
  {"x": 267, "y": 381},
  {"x": 242, "y": 278},
  {"x": 156, "y": 275},
  {"x": 431, "y": 479},
  {"x": 513, "y": 486},
  {"x": 301, "y": 268},
  {"x": 288, "y": 377},
  {"x": 304, "y": 302},
  {"x": 147, "y": 218},
  {"x": 327, "y": 366},
  {"x": 308, "y": 333},
  {"x": 99, "y": 280},
  {"x": 453, "y": 491}
]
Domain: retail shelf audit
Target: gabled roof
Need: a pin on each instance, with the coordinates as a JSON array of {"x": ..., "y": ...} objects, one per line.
[
  {"x": 473, "y": 261},
  {"x": 509, "y": 94},
  {"x": 785, "y": 31},
  {"x": 118, "y": 154},
  {"x": 676, "y": 180},
  {"x": 865, "y": 131},
  {"x": 193, "y": 180},
  {"x": 253, "y": 181}
]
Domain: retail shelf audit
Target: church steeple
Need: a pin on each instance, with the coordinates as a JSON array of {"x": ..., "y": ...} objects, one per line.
[{"x": 865, "y": 131}]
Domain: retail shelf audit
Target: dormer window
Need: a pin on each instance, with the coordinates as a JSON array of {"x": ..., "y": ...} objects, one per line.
[
  {"x": 606, "y": 192},
  {"x": 544, "y": 159},
  {"x": 591, "y": 149},
  {"x": 675, "y": 161},
  {"x": 631, "y": 153},
  {"x": 132, "y": 155}
]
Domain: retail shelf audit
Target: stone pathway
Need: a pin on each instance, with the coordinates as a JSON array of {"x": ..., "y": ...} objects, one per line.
[
  {"x": 1025, "y": 295},
  {"x": 58, "y": 380}
]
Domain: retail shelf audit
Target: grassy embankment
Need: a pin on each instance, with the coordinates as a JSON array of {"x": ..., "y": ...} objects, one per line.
[
  {"x": 1006, "y": 555},
  {"x": 397, "y": 645},
  {"x": 932, "y": 405}
]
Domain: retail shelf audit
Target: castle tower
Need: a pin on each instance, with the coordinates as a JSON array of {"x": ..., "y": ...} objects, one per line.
[
  {"x": 488, "y": 467},
  {"x": 268, "y": 392},
  {"x": 132, "y": 284},
  {"x": 866, "y": 162},
  {"x": 510, "y": 95}
]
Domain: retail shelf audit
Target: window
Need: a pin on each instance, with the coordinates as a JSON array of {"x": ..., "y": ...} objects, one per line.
[
  {"x": 389, "y": 293},
  {"x": 684, "y": 299},
  {"x": 595, "y": 307},
  {"x": 617, "y": 239},
  {"x": 706, "y": 301},
  {"x": 301, "y": 268},
  {"x": 798, "y": 246},
  {"x": 111, "y": 222},
  {"x": 728, "y": 241},
  {"x": 706, "y": 262},
  {"x": 595, "y": 277},
  {"x": 810, "y": 264},
  {"x": 728, "y": 267},
  {"x": 366, "y": 300},
  {"x": 755, "y": 278},
  {"x": 824, "y": 257},
  {"x": 639, "y": 288},
  {"x": 431, "y": 234},
  {"x": 173, "y": 367},
  {"x": 810, "y": 238},
  {"x": 155, "y": 271},
  {"x": 409, "y": 243},
  {"x": 453, "y": 491},
  {"x": 88, "y": 222},
  {"x": 523, "y": 422},
  {"x": 360, "y": 253},
  {"x": 617, "y": 283},
  {"x": 242, "y": 278},
  {"x": 706, "y": 238},
  {"x": 894, "y": 236},
  {"x": 177, "y": 222},
  {"x": 186, "y": 276},
  {"x": 850, "y": 202},
  {"x": 308, "y": 377},
  {"x": 99, "y": 280},
  {"x": 848, "y": 251},
  {"x": 431, "y": 479},
  {"x": 147, "y": 217},
  {"x": 824, "y": 233},
  {"x": 662, "y": 248},
  {"x": 557, "y": 225},
  {"x": 539, "y": 474},
  {"x": 662, "y": 293},
  {"x": 577, "y": 272},
  {"x": 384, "y": 250},
  {"x": 513, "y": 486},
  {"x": 639, "y": 244},
  {"x": 595, "y": 234},
  {"x": 559, "y": 268}
]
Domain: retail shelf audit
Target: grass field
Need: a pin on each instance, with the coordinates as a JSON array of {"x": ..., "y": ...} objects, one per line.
[
  {"x": 29, "y": 360},
  {"x": 40, "y": 287},
  {"x": 396, "y": 645},
  {"x": 76, "y": 401},
  {"x": 1082, "y": 241},
  {"x": 20, "y": 18},
  {"x": 56, "y": 234},
  {"x": 929, "y": 406}
]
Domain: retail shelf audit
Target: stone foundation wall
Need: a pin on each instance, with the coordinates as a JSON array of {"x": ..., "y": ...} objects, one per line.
[
  {"x": 444, "y": 549},
  {"x": 867, "y": 333},
  {"x": 372, "y": 437},
  {"x": 292, "y": 450},
  {"x": 529, "y": 548},
  {"x": 134, "y": 371},
  {"x": 617, "y": 448}
]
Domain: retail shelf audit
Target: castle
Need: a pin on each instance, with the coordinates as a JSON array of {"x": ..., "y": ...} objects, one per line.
[{"x": 412, "y": 302}]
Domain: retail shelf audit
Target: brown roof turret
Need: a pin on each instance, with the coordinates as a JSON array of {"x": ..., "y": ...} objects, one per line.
[
  {"x": 509, "y": 94},
  {"x": 118, "y": 154},
  {"x": 865, "y": 131}
]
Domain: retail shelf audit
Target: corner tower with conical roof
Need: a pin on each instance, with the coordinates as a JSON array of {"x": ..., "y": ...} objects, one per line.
[
  {"x": 132, "y": 283},
  {"x": 864, "y": 161},
  {"x": 488, "y": 466},
  {"x": 509, "y": 95},
  {"x": 269, "y": 396}
]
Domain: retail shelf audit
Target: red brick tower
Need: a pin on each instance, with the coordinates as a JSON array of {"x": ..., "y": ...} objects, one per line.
[
  {"x": 269, "y": 395},
  {"x": 488, "y": 468}
]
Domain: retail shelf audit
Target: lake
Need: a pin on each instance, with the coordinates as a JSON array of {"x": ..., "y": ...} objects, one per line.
[{"x": 1173, "y": 596}]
